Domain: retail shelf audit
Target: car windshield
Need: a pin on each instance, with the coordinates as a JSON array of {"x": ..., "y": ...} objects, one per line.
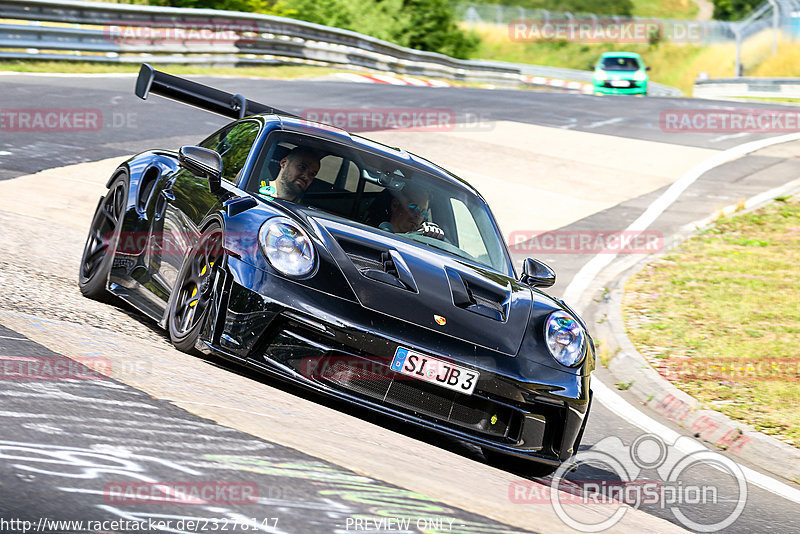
[
  {"x": 620, "y": 63},
  {"x": 370, "y": 189}
]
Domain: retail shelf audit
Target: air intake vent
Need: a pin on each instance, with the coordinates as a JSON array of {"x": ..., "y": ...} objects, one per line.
[
  {"x": 477, "y": 296},
  {"x": 383, "y": 265}
]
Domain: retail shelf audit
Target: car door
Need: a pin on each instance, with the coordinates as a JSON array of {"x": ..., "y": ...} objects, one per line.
[{"x": 185, "y": 200}]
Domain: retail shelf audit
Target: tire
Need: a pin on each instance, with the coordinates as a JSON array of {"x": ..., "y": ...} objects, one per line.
[
  {"x": 193, "y": 291},
  {"x": 579, "y": 437},
  {"x": 101, "y": 244}
]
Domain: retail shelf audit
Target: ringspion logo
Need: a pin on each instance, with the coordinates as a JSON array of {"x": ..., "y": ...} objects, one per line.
[{"x": 678, "y": 488}]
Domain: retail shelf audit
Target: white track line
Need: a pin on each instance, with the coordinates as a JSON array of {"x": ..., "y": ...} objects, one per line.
[
  {"x": 588, "y": 272},
  {"x": 728, "y": 136},
  {"x": 72, "y": 75},
  {"x": 619, "y": 406},
  {"x": 605, "y": 122}
]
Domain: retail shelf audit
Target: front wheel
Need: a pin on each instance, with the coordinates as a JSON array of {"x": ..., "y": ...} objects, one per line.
[
  {"x": 101, "y": 244},
  {"x": 193, "y": 291}
]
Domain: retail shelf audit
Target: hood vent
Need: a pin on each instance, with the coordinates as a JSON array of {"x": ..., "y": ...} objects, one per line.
[
  {"x": 478, "y": 296},
  {"x": 383, "y": 265}
]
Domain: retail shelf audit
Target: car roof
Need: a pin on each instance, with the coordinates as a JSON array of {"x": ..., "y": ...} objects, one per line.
[{"x": 621, "y": 54}]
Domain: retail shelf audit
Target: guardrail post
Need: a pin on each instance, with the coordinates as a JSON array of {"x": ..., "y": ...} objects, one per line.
[
  {"x": 775, "y": 15},
  {"x": 737, "y": 31}
]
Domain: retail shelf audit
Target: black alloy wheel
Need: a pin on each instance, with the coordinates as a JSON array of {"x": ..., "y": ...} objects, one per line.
[
  {"x": 193, "y": 291},
  {"x": 101, "y": 244}
]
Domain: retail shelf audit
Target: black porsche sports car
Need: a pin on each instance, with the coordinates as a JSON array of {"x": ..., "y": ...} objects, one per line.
[{"x": 330, "y": 289}]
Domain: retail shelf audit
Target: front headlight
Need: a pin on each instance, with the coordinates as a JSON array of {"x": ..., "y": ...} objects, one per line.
[
  {"x": 565, "y": 338},
  {"x": 600, "y": 75},
  {"x": 287, "y": 247},
  {"x": 640, "y": 76}
]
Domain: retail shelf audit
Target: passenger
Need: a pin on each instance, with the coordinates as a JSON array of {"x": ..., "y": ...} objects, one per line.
[{"x": 298, "y": 170}]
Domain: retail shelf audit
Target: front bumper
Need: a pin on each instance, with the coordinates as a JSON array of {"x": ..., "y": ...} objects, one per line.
[
  {"x": 335, "y": 346},
  {"x": 635, "y": 88}
]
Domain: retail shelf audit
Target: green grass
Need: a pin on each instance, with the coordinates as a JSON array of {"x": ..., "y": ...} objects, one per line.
[
  {"x": 665, "y": 9},
  {"x": 676, "y": 65},
  {"x": 720, "y": 317},
  {"x": 81, "y": 67}
]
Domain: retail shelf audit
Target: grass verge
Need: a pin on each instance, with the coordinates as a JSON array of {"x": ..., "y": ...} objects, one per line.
[
  {"x": 720, "y": 317},
  {"x": 666, "y": 9},
  {"x": 86, "y": 67},
  {"x": 676, "y": 65}
]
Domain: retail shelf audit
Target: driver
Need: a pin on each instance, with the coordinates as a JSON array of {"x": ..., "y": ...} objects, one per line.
[
  {"x": 298, "y": 170},
  {"x": 409, "y": 212}
]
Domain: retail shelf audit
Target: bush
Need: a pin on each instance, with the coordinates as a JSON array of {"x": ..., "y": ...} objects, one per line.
[
  {"x": 734, "y": 9},
  {"x": 431, "y": 26},
  {"x": 254, "y": 6},
  {"x": 601, "y": 7},
  {"x": 423, "y": 25}
]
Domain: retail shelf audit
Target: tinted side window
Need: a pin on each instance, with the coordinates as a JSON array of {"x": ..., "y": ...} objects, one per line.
[{"x": 233, "y": 144}]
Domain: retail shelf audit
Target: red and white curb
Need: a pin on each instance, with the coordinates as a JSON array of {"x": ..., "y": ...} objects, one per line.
[
  {"x": 561, "y": 84},
  {"x": 390, "y": 79},
  {"x": 409, "y": 80}
]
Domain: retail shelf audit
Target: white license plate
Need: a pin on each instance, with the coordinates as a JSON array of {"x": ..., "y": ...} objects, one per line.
[
  {"x": 434, "y": 370},
  {"x": 620, "y": 83}
]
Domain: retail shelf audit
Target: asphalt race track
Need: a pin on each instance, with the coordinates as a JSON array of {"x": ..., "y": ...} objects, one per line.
[{"x": 287, "y": 461}]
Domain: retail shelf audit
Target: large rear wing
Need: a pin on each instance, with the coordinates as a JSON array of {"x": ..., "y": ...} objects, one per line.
[{"x": 234, "y": 106}]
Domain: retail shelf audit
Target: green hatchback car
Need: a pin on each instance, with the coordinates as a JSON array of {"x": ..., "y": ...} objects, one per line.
[{"x": 620, "y": 73}]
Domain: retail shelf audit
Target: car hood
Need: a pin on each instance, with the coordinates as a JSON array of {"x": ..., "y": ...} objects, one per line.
[
  {"x": 427, "y": 287},
  {"x": 620, "y": 74}
]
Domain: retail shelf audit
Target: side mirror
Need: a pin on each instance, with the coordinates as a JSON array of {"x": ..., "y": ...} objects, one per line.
[
  {"x": 537, "y": 274},
  {"x": 647, "y": 68},
  {"x": 591, "y": 67},
  {"x": 202, "y": 162}
]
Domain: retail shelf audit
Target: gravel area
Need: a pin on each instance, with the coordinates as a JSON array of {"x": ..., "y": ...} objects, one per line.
[{"x": 38, "y": 276}]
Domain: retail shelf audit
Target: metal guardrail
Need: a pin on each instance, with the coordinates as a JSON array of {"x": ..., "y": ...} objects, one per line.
[
  {"x": 747, "y": 87},
  {"x": 122, "y": 33}
]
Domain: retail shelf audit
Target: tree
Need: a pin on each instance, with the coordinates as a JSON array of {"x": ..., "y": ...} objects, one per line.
[
  {"x": 734, "y": 9},
  {"x": 432, "y": 27}
]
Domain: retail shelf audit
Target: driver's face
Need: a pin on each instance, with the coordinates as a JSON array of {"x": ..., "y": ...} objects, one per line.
[{"x": 298, "y": 172}]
